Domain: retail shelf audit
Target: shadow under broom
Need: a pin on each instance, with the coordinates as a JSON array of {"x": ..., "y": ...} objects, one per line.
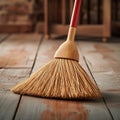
[{"x": 63, "y": 77}]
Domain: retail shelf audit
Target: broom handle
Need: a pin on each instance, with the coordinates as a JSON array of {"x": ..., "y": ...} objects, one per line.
[{"x": 74, "y": 20}]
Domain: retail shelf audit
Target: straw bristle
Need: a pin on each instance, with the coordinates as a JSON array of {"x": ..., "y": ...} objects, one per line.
[{"x": 60, "y": 78}]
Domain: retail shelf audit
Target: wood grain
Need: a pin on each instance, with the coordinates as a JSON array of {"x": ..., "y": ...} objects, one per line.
[
  {"x": 63, "y": 12},
  {"x": 109, "y": 83},
  {"x": 19, "y": 50},
  {"x": 8, "y": 104},
  {"x": 101, "y": 57},
  {"x": 8, "y": 100},
  {"x": 46, "y": 52},
  {"x": 99, "y": 30},
  {"x": 113, "y": 102},
  {"x": 103, "y": 61},
  {"x": 10, "y": 77},
  {"x": 40, "y": 109},
  {"x": 3, "y": 37},
  {"x": 84, "y": 30},
  {"x": 18, "y": 27},
  {"x": 107, "y": 18}
]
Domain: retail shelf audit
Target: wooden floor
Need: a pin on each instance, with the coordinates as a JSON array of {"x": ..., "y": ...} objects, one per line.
[{"x": 21, "y": 55}]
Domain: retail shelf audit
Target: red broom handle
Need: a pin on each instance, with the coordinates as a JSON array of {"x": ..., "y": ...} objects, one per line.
[{"x": 75, "y": 13}]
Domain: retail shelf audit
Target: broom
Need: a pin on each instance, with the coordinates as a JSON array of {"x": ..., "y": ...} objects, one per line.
[{"x": 62, "y": 77}]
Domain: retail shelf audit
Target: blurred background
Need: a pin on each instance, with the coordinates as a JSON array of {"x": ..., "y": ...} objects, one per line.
[
  {"x": 98, "y": 18},
  {"x": 24, "y": 27}
]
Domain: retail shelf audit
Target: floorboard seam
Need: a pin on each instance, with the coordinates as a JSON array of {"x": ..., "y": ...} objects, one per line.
[
  {"x": 16, "y": 110},
  {"x": 36, "y": 54},
  {"x": 89, "y": 70},
  {"x": 5, "y": 38},
  {"x": 98, "y": 87},
  {"x": 108, "y": 109}
]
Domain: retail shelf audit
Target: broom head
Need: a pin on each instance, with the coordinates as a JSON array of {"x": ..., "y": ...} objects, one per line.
[{"x": 62, "y": 77}]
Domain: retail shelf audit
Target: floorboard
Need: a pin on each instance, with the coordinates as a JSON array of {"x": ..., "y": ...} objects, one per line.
[
  {"x": 50, "y": 109},
  {"x": 109, "y": 84},
  {"x": 3, "y": 37},
  {"x": 10, "y": 77},
  {"x": 23, "y": 54},
  {"x": 101, "y": 57},
  {"x": 8, "y": 100},
  {"x": 16, "y": 61},
  {"x": 36, "y": 108},
  {"x": 103, "y": 61},
  {"x": 19, "y": 50},
  {"x": 8, "y": 104}
]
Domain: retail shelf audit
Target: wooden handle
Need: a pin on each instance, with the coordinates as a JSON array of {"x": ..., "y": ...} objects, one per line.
[
  {"x": 68, "y": 49},
  {"x": 75, "y": 13}
]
